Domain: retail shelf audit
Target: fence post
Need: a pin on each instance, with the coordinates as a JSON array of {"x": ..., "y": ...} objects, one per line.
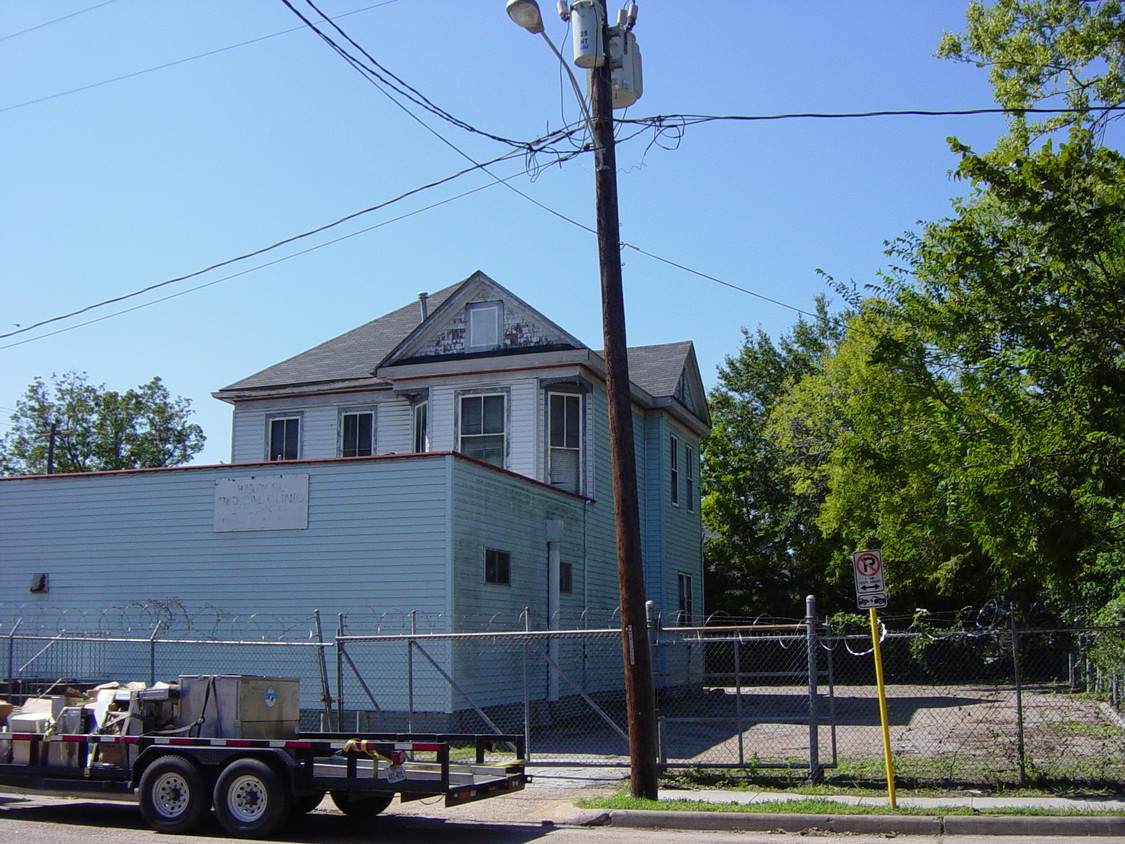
[
  {"x": 339, "y": 672},
  {"x": 325, "y": 688},
  {"x": 152, "y": 654},
  {"x": 12, "y": 651},
  {"x": 526, "y": 686},
  {"x": 410, "y": 671},
  {"x": 814, "y": 715},
  {"x": 1019, "y": 696},
  {"x": 738, "y": 698}
]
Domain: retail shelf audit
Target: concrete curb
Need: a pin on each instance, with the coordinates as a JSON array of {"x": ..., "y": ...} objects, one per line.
[
  {"x": 766, "y": 822},
  {"x": 866, "y": 824},
  {"x": 1034, "y": 825}
]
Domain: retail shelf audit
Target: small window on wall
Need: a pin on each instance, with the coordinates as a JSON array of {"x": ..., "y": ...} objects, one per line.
[
  {"x": 482, "y": 326},
  {"x": 689, "y": 476},
  {"x": 483, "y": 420},
  {"x": 566, "y": 578},
  {"x": 674, "y": 469},
  {"x": 284, "y": 438},
  {"x": 497, "y": 567},
  {"x": 686, "y": 601},
  {"x": 421, "y": 427},
  {"x": 357, "y": 433}
]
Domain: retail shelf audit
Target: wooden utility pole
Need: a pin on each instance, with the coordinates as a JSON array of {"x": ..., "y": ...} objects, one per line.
[{"x": 639, "y": 696}]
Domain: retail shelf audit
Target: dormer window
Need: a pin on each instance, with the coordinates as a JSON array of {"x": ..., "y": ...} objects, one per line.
[{"x": 482, "y": 326}]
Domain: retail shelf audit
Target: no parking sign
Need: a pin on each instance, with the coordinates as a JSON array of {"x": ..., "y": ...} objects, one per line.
[{"x": 870, "y": 587}]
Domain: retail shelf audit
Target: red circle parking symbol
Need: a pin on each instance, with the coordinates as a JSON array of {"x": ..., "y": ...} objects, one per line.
[{"x": 868, "y": 565}]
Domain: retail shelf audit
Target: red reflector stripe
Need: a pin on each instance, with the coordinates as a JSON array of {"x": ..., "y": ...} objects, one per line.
[
  {"x": 238, "y": 743},
  {"x": 425, "y": 747},
  {"x": 26, "y": 736},
  {"x": 298, "y": 744},
  {"x": 183, "y": 741}
]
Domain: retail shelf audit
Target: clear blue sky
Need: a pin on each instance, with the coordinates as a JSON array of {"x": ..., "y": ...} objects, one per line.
[{"x": 126, "y": 184}]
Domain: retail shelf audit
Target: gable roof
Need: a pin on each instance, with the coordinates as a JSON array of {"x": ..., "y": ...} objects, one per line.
[
  {"x": 349, "y": 361},
  {"x": 351, "y": 357}
]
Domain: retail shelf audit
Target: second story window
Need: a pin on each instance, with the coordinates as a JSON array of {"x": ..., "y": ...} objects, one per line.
[
  {"x": 284, "y": 438},
  {"x": 564, "y": 431},
  {"x": 357, "y": 433},
  {"x": 689, "y": 476},
  {"x": 674, "y": 468},
  {"x": 483, "y": 424},
  {"x": 421, "y": 427}
]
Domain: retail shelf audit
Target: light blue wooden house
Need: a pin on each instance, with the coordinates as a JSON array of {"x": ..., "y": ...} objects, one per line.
[{"x": 449, "y": 458}]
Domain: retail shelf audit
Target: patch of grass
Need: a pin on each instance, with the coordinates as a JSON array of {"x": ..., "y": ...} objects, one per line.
[{"x": 812, "y": 806}]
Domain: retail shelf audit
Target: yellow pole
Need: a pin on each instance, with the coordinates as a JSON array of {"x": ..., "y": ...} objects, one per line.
[{"x": 888, "y": 762}]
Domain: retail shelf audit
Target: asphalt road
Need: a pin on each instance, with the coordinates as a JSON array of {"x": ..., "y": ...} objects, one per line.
[{"x": 48, "y": 820}]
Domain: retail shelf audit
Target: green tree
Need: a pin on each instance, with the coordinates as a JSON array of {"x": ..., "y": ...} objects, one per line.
[
  {"x": 972, "y": 423},
  {"x": 1060, "y": 53},
  {"x": 763, "y": 550},
  {"x": 95, "y": 429}
]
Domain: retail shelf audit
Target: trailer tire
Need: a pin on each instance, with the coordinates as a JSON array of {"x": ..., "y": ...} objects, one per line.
[
  {"x": 175, "y": 795},
  {"x": 355, "y": 806},
  {"x": 251, "y": 799}
]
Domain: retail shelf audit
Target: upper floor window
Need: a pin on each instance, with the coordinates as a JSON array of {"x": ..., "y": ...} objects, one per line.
[
  {"x": 674, "y": 468},
  {"x": 421, "y": 427},
  {"x": 357, "y": 433},
  {"x": 686, "y": 599},
  {"x": 566, "y": 578},
  {"x": 564, "y": 432},
  {"x": 483, "y": 426},
  {"x": 284, "y": 438},
  {"x": 689, "y": 476},
  {"x": 482, "y": 326}
]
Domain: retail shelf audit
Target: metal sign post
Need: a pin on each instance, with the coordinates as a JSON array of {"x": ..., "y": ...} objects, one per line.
[{"x": 871, "y": 593}]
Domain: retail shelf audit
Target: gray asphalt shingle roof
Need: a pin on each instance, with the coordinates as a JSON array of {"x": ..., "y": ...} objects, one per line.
[
  {"x": 350, "y": 357},
  {"x": 353, "y": 356}
]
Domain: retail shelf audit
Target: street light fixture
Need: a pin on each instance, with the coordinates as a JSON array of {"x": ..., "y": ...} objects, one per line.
[{"x": 592, "y": 43}]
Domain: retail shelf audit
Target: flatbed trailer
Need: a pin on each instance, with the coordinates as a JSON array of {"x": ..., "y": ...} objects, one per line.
[{"x": 255, "y": 785}]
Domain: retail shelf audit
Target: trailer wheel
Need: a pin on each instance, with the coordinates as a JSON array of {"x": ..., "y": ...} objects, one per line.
[
  {"x": 175, "y": 795},
  {"x": 356, "y": 806},
  {"x": 251, "y": 799}
]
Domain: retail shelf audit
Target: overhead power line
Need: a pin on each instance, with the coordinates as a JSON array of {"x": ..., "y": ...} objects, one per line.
[
  {"x": 56, "y": 20},
  {"x": 178, "y": 61}
]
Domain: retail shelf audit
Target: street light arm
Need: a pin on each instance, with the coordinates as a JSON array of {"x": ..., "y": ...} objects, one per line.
[{"x": 573, "y": 83}]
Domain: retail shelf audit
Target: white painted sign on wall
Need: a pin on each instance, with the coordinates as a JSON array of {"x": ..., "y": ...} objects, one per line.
[{"x": 262, "y": 502}]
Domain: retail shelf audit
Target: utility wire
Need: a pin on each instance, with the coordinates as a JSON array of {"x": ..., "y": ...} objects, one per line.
[
  {"x": 56, "y": 20},
  {"x": 178, "y": 61},
  {"x": 259, "y": 267},
  {"x": 384, "y": 78},
  {"x": 264, "y": 249}
]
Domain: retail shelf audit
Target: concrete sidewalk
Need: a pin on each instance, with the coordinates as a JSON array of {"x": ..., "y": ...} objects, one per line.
[{"x": 550, "y": 800}]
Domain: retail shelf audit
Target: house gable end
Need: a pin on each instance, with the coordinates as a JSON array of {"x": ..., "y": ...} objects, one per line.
[{"x": 481, "y": 318}]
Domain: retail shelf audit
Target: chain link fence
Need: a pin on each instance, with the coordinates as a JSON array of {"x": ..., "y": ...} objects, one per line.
[{"x": 983, "y": 705}]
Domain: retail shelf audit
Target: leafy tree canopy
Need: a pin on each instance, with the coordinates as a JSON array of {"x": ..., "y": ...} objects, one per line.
[
  {"x": 1061, "y": 53},
  {"x": 762, "y": 546},
  {"x": 95, "y": 429}
]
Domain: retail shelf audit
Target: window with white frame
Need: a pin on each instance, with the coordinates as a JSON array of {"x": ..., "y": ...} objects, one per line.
[
  {"x": 284, "y": 438},
  {"x": 483, "y": 427},
  {"x": 357, "y": 433},
  {"x": 674, "y": 468},
  {"x": 564, "y": 435},
  {"x": 689, "y": 476},
  {"x": 686, "y": 600},
  {"x": 482, "y": 326},
  {"x": 421, "y": 426}
]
